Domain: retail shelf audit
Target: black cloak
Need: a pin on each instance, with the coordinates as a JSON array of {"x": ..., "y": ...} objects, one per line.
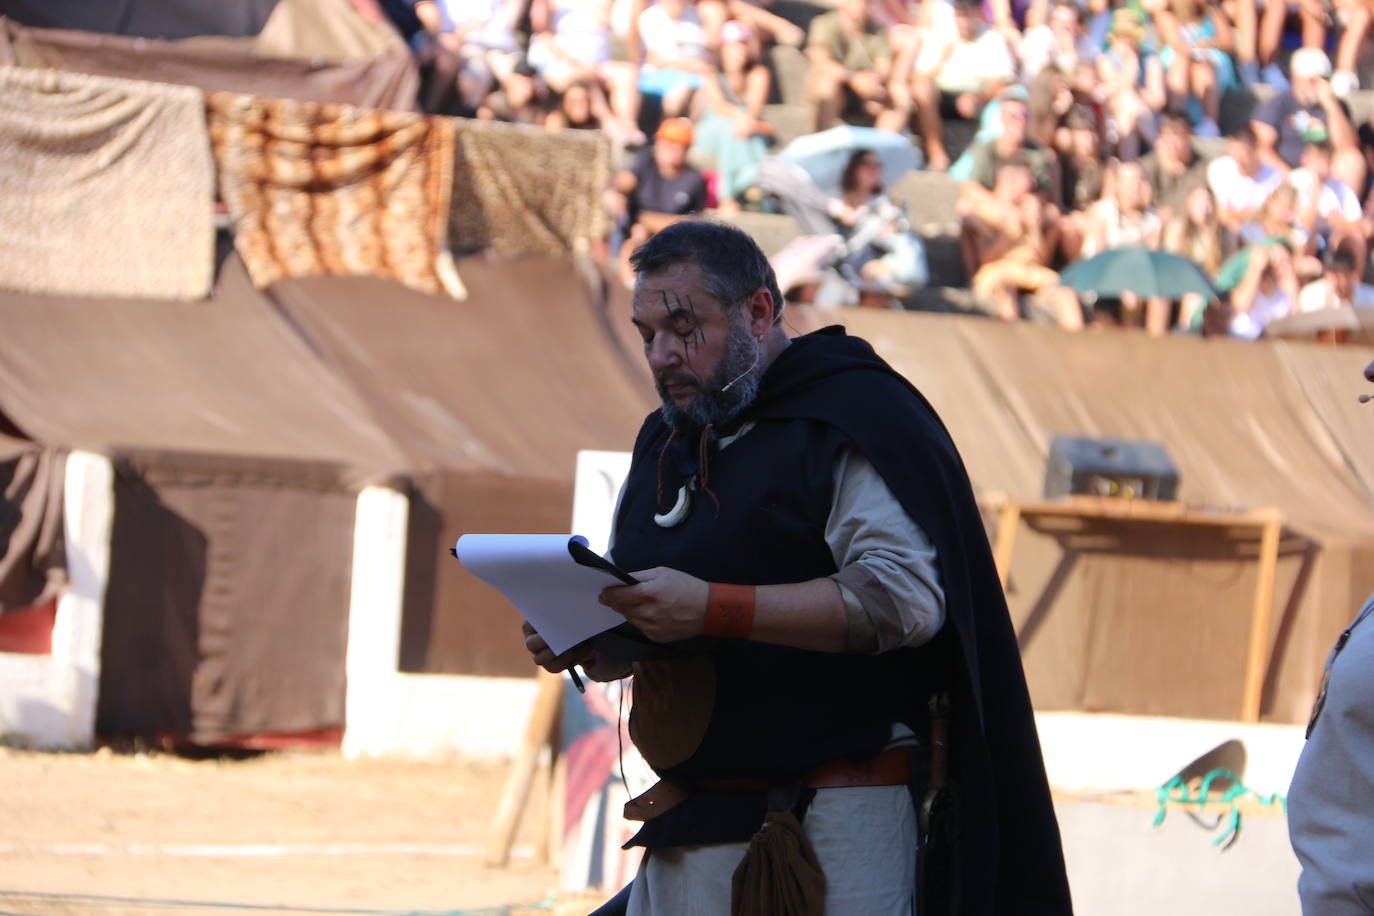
[{"x": 1010, "y": 860}]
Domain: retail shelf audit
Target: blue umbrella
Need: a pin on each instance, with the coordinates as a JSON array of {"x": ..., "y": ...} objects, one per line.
[
  {"x": 1139, "y": 270},
  {"x": 823, "y": 155}
]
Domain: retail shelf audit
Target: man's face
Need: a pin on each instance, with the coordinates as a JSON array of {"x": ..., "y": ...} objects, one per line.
[
  {"x": 1064, "y": 23},
  {"x": 1305, "y": 89},
  {"x": 856, "y": 11},
  {"x": 1318, "y": 162},
  {"x": 967, "y": 21},
  {"x": 1342, "y": 284},
  {"x": 1173, "y": 139},
  {"x": 1014, "y": 114},
  {"x": 694, "y": 347},
  {"x": 669, "y": 156},
  {"x": 1247, "y": 159}
]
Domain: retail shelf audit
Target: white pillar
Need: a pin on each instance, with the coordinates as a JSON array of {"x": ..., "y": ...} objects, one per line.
[
  {"x": 374, "y": 619},
  {"x": 388, "y": 712}
]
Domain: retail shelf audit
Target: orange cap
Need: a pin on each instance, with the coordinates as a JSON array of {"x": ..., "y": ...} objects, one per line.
[{"x": 675, "y": 130}]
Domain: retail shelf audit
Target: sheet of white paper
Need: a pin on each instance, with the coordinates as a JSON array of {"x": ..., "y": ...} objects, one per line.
[{"x": 537, "y": 574}]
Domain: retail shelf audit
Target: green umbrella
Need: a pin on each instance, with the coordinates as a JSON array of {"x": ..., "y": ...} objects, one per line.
[{"x": 1138, "y": 270}]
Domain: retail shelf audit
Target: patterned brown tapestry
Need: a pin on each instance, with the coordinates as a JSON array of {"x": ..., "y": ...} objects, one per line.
[
  {"x": 328, "y": 189},
  {"x": 522, "y": 190}
]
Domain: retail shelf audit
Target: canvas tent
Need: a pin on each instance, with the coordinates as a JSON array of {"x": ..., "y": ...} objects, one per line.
[
  {"x": 290, "y": 49},
  {"x": 147, "y": 19},
  {"x": 230, "y": 449},
  {"x": 240, "y": 432},
  {"x": 331, "y": 29}
]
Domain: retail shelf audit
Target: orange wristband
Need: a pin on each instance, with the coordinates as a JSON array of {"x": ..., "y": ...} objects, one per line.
[{"x": 729, "y": 611}]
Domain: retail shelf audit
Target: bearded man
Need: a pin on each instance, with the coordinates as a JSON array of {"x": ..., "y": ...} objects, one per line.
[{"x": 827, "y": 648}]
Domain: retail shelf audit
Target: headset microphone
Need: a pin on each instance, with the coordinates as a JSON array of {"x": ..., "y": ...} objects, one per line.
[
  {"x": 1365, "y": 398},
  {"x": 730, "y": 384}
]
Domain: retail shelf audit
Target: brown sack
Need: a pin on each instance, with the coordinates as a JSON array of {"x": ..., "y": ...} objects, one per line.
[{"x": 779, "y": 874}]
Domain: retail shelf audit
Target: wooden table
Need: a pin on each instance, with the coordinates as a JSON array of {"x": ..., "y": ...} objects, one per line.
[{"x": 1268, "y": 523}]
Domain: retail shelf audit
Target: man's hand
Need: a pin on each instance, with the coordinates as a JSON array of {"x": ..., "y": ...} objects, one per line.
[
  {"x": 1326, "y": 96},
  {"x": 867, "y": 85},
  {"x": 666, "y": 605},
  {"x": 543, "y": 656}
]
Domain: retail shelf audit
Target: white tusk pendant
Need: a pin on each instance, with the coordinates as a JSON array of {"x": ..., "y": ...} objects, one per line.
[{"x": 678, "y": 514}]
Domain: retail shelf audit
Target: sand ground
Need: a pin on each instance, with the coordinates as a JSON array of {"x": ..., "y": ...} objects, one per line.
[
  {"x": 282, "y": 832},
  {"x": 295, "y": 832}
]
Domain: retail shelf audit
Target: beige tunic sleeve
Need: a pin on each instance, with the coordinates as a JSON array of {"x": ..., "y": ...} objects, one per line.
[{"x": 887, "y": 564}]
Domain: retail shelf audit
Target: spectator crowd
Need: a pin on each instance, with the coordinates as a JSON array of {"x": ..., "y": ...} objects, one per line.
[{"x": 1096, "y": 126}]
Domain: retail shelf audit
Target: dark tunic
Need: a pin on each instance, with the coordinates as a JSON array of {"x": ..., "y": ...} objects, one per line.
[{"x": 735, "y": 708}]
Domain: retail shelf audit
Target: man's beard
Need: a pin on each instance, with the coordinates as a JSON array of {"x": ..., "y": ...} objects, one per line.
[{"x": 714, "y": 404}]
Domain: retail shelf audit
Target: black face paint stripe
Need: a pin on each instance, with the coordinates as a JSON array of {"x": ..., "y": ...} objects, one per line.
[{"x": 679, "y": 305}]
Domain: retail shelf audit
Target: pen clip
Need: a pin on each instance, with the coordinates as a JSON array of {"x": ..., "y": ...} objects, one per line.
[{"x": 584, "y": 556}]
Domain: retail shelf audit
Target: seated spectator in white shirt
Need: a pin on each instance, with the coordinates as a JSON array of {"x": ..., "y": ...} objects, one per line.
[
  {"x": 676, "y": 59},
  {"x": 1122, "y": 217},
  {"x": 1327, "y": 207},
  {"x": 1338, "y": 287},
  {"x": 976, "y": 62},
  {"x": 958, "y": 76},
  {"x": 1266, "y": 290},
  {"x": 1240, "y": 182},
  {"x": 1061, "y": 42}
]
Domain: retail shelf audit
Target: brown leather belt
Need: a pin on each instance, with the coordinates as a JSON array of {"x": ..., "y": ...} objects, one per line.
[{"x": 890, "y": 768}]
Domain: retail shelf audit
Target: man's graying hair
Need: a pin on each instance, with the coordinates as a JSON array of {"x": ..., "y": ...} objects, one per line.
[{"x": 732, "y": 265}]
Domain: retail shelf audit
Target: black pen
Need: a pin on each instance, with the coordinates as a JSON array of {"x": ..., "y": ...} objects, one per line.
[{"x": 584, "y": 556}]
